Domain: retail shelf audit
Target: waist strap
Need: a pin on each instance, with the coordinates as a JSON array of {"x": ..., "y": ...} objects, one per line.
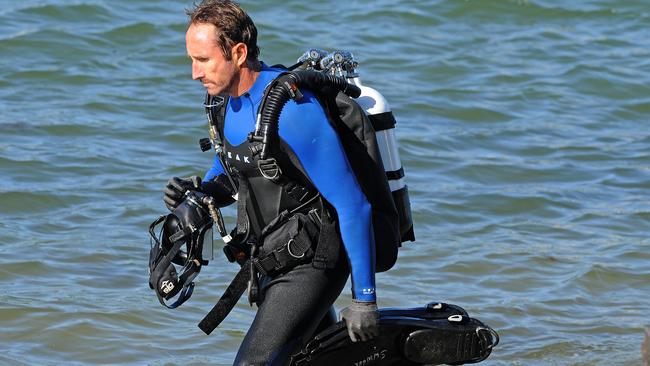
[
  {"x": 227, "y": 301},
  {"x": 295, "y": 251}
]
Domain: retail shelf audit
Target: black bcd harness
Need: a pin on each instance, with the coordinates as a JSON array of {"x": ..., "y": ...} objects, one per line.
[
  {"x": 302, "y": 222},
  {"x": 358, "y": 139},
  {"x": 281, "y": 170}
]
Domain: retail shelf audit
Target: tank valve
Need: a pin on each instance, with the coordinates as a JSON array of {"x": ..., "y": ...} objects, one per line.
[
  {"x": 340, "y": 63},
  {"x": 311, "y": 58}
]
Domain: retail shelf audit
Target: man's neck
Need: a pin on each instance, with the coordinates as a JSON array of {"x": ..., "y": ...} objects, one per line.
[{"x": 247, "y": 76}]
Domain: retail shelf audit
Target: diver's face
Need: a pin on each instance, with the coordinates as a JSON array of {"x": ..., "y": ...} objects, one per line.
[{"x": 209, "y": 65}]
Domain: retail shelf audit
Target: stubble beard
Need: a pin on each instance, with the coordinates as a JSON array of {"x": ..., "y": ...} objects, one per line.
[{"x": 230, "y": 88}]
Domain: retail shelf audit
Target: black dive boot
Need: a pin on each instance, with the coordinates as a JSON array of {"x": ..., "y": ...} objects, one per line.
[{"x": 436, "y": 334}]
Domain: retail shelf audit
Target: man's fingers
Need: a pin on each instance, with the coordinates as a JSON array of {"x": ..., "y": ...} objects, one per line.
[
  {"x": 171, "y": 192},
  {"x": 176, "y": 184},
  {"x": 170, "y": 203},
  {"x": 349, "y": 326},
  {"x": 173, "y": 189},
  {"x": 353, "y": 336},
  {"x": 196, "y": 181},
  {"x": 363, "y": 336},
  {"x": 361, "y": 321}
]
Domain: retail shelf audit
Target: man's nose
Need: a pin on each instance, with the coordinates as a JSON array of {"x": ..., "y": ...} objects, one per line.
[{"x": 197, "y": 71}]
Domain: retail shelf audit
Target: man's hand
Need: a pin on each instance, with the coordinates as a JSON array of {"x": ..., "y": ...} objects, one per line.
[
  {"x": 174, "y": 192},
  {"x": 220, "y": 189},
  {"x": 362, "y": 320}
]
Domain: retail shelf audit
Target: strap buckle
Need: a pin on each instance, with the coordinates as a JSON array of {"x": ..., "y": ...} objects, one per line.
[
  {"x": 213, "y": 101},
  {"x": 269, "y": 168}
]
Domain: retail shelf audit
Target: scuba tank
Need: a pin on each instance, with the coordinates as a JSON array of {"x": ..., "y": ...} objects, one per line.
[{"x": 342, "y": 63}]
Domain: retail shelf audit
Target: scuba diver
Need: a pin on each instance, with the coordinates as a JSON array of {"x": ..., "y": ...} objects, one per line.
[
  {"x": 320, "y": 196},
  {"x": 293, "y": 298}
]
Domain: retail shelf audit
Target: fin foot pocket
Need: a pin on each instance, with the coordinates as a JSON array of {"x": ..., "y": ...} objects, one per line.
[
  {"x": 435, "y": 334},
  {"x": 451, "y": 344}
]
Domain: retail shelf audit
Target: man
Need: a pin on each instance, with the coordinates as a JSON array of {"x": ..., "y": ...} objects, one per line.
[{"x": 221, "y": 42}]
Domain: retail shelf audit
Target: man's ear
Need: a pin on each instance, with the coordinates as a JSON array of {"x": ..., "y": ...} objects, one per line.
[{"x": 239, "y": 54}]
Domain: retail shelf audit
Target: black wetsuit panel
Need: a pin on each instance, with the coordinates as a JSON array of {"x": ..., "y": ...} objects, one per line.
[{"x": 293, "y": 306}]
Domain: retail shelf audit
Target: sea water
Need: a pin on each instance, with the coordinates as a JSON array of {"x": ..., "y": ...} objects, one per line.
[{"x": 523, "y": 129}]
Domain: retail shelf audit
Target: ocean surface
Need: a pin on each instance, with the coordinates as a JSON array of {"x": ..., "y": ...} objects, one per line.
[{"x": 524, "y": 130}]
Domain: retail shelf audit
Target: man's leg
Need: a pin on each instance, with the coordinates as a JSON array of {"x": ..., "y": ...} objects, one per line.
[
  {"x": 328, "y": 320},
  {"x": 294, "y": 305}
]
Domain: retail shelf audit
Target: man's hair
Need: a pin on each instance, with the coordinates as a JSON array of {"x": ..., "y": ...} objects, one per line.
[{"x": 232, "y": 23}]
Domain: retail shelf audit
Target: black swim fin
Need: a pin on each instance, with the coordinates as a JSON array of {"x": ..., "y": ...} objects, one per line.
[{"x": 436, "y": 334}]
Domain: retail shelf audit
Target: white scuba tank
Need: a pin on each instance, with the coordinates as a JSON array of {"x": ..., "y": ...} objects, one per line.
[
  {"x": 342, "y": 63},
  {"x": 376, "y": 106},
  {"x": 383, "y": 121}
]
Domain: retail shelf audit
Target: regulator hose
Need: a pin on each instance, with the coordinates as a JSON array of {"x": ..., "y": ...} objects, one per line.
[{"x": 286, "y": 87}]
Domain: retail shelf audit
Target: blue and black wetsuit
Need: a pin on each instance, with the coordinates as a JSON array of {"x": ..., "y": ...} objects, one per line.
[{"x": 296, "y": 302}]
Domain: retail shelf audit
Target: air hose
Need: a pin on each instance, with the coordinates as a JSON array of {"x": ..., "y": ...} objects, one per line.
[{"x": 286, "y": 87}]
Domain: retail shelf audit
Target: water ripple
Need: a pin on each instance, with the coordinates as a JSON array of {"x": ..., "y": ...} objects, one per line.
[{"x": 522, "y": 130}]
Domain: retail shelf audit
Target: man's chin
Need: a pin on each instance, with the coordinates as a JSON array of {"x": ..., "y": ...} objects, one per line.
[{"x": 211, "y": 89}]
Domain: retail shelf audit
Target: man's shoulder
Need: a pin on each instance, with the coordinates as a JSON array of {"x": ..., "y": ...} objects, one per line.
[
  {"x": 269, "y": 73},
  {"x": 308, "y": 104}
]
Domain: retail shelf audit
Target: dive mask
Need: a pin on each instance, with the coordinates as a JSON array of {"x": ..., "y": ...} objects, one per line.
[{"x": 183, "y": 245}]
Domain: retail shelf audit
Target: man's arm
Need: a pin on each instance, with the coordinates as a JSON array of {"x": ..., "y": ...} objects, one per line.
[
  {"x": 214, "y": 171},
  {"x": 304, "y": 126}
]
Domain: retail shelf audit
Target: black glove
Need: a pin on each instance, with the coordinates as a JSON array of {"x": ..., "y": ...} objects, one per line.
[
  {"x": 174, "y": 192},
  {"x": 220, "y": 189},
  {"x": 362, "y": 320}
]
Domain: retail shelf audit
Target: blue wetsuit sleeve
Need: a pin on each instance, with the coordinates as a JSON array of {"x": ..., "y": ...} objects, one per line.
[
  {"x": 214, "y": 171},
  {"x": 305, "y": 127}
]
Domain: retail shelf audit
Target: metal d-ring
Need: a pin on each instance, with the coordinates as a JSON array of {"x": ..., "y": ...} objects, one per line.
[{"x": 289, "y": 249}]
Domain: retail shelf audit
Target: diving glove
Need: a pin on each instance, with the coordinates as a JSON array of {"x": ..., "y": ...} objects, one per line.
[
  {"x": 362, "y": 320},
  {"x": 220, "y": 189},
  {"x": 174, "y": 192}
]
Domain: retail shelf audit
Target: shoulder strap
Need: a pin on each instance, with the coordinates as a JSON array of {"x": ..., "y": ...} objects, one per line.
[
  {"x": 221, "y": 119},
  {"x": 215, "y": 109}
]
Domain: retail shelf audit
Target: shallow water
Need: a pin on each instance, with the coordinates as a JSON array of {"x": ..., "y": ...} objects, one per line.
[{"x": 523, "y": 130}]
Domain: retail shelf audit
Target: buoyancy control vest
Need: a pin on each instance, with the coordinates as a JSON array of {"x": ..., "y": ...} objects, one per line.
[
  {"x": 266, "y": 198},
  {"x": 267, "y": 189},
  {"x": 358, "y": 139}
]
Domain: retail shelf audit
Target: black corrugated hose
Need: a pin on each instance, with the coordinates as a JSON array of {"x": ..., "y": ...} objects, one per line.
[{"x": 287, "y": 87}]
